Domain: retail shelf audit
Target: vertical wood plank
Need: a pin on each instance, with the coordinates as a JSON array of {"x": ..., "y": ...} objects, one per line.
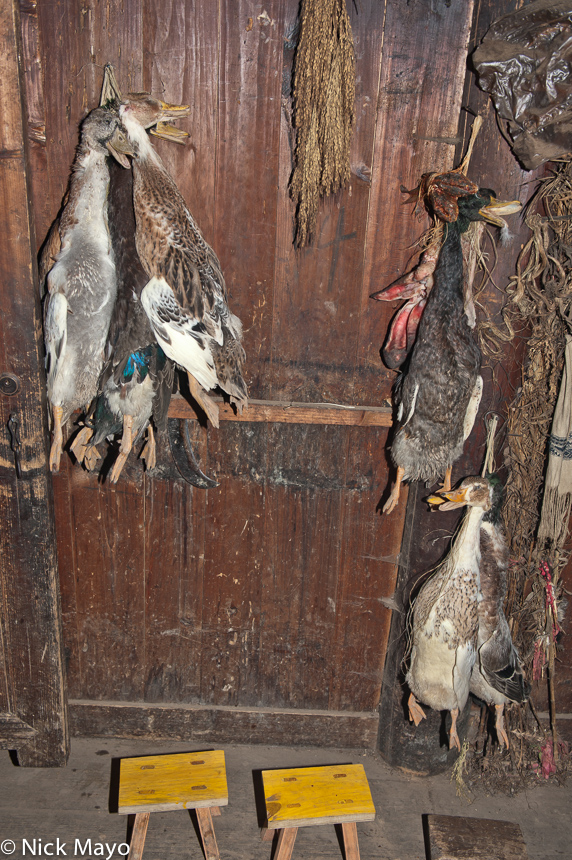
[
  {"x": 418, "y": 104},
  {"x": 110, "y": 584},
  {"x": 30, "y": 601},
  {"x": 181, "y": 57},
  {"x": 234, "y": 554},
  {"x": 369, "y": 553},
  {"x": 251, "y": 45},
  {"x": 174, "y": 561}
]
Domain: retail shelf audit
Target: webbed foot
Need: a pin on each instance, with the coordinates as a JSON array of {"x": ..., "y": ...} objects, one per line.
[{"x": 416, "y": 712}]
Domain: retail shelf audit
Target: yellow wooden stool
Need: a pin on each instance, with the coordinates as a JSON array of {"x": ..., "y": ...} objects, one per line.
[
  {"x": 306, "y": 796},
  {"x": 158, "y": 783}
]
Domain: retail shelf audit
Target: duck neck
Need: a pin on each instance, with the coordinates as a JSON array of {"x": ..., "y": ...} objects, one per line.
[
  {"x": 466, "y": 548},
  {"x": 137, "y": 134},
  {"x": 449, "y": 271}
]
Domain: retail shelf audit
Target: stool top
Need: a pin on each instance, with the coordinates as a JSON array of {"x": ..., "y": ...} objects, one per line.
[
  {"x": 158, "y": 783},
  {"x": 302, "y": 796}
]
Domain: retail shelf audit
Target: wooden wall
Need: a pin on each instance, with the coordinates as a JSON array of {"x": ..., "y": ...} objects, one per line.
[{"x": 254, "y": 609}]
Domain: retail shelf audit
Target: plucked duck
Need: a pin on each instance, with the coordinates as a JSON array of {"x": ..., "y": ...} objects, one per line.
[
  {"x": 82, "y": 281},
  {"x": 438, "y": 393},
  {"x": 185, "y": 299},
  {"x": 497, "y": 676},
  {"x": 444, "y": 615}
]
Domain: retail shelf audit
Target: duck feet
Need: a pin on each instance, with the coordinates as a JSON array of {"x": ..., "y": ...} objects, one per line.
[
  {"x": 393, "y": 499},
  {"x": 91, "y": 458},
  {"x": 149, "y": 452},
  {"x": 124, "y": 448},
  {"x": 57, "y": 439},
  {"x": 499, "y": 726},
  {"x": 446, "y": 488},
  {"x": 204, "y": 401},
  {"x": 453, "y": 736},
  {"x": 416, "y": 712},
  {"x": 79, "y": 444}
]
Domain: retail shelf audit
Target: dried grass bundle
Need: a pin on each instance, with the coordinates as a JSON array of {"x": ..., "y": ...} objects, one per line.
[
  {"x": 324, "y": 92},
  {"x": 540, "y": 300}
]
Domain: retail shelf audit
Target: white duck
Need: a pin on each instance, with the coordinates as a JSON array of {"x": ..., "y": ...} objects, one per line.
[
  {"x": 82, "y": 282},
  {"x": 445, "y": 619}
]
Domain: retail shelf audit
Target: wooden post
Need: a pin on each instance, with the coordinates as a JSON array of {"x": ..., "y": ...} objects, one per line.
[{"x": 31, "y": 680}]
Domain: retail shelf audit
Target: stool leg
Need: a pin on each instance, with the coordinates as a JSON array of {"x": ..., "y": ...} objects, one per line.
[
  {"x": 285, "y": 843},
  {"x": 207, "y": 834},
  {"x": 138, "y": 835},
  {"x": 349, "y": 830}
]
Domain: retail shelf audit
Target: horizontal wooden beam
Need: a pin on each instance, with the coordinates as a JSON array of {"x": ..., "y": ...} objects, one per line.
[
  {"x": 283, "y": 726},
  {"x": 284, "y": 412}
]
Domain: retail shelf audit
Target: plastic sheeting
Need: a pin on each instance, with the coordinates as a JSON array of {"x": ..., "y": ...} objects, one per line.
[{"x": 525, "y": 63}]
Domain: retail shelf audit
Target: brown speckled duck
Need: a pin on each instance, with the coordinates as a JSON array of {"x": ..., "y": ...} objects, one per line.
[
  {"x": 445, "y": 618},
  {"x": 186, "y": 299}
]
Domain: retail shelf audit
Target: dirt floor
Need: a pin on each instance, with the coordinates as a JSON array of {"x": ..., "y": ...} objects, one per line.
[{"x": 72, "y": 804}]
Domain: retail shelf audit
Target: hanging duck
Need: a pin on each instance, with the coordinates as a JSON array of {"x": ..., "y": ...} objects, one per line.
[
  {"x": 137, "y": 378},
  {"x": 438, "y": 393},
  {"x": 438, "y": 194},
  {"x": 497, "y": 677},
  {"x": 185, "y": 299},
  {"x": 444, "y": 617},
  {"x": 82, "y": 282}
]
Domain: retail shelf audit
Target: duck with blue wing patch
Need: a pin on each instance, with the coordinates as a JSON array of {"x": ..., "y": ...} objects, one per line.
[{"x": 137, "y": 378}]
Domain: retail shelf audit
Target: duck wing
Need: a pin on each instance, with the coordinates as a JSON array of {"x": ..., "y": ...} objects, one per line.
[
  {"x": 500, "y": 665},
  {"x": 171, "y": 246},
  {"x": 498, "y": 659}
]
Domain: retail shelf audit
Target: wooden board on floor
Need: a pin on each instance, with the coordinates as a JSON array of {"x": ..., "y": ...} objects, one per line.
[{"x": 453, "y": 837}]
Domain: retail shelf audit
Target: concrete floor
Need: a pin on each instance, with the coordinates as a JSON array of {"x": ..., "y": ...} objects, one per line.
[{"x": 72, "y": 804}]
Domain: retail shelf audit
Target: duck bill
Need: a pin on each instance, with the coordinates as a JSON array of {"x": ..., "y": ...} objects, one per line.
[
  {"x": 496, "y": 210},
  {"x": 173, "y": 111},
  {"x": 449, "y": 500},
  {"x": 169, "y": 132},
  {"x": 120, "y": 148}
]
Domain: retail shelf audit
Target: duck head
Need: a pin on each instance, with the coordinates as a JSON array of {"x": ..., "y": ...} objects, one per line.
[
  {"x": 103, "y": 130},
  {"x": 475, "y": 492},
  {"x": 153, "y": 114},
  {"x": 484, "y": 206}
]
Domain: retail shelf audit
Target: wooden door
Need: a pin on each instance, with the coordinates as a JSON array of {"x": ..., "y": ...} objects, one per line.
[
  {"x": 255, "y": 611},
  {"x": 32, "y": 703}
]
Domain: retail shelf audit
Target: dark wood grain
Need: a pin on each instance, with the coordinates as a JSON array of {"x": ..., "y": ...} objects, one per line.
[
  {"x": 265, "y": 592},
  {"x": 283, "y": 412},
  {"x": 418, "y": 104},
  {"x": 456, "y": 838},
  {"x": 342, "y": 729},
  {"x": 29, "y": 607},
  {"x": 247, "y": 155}
]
